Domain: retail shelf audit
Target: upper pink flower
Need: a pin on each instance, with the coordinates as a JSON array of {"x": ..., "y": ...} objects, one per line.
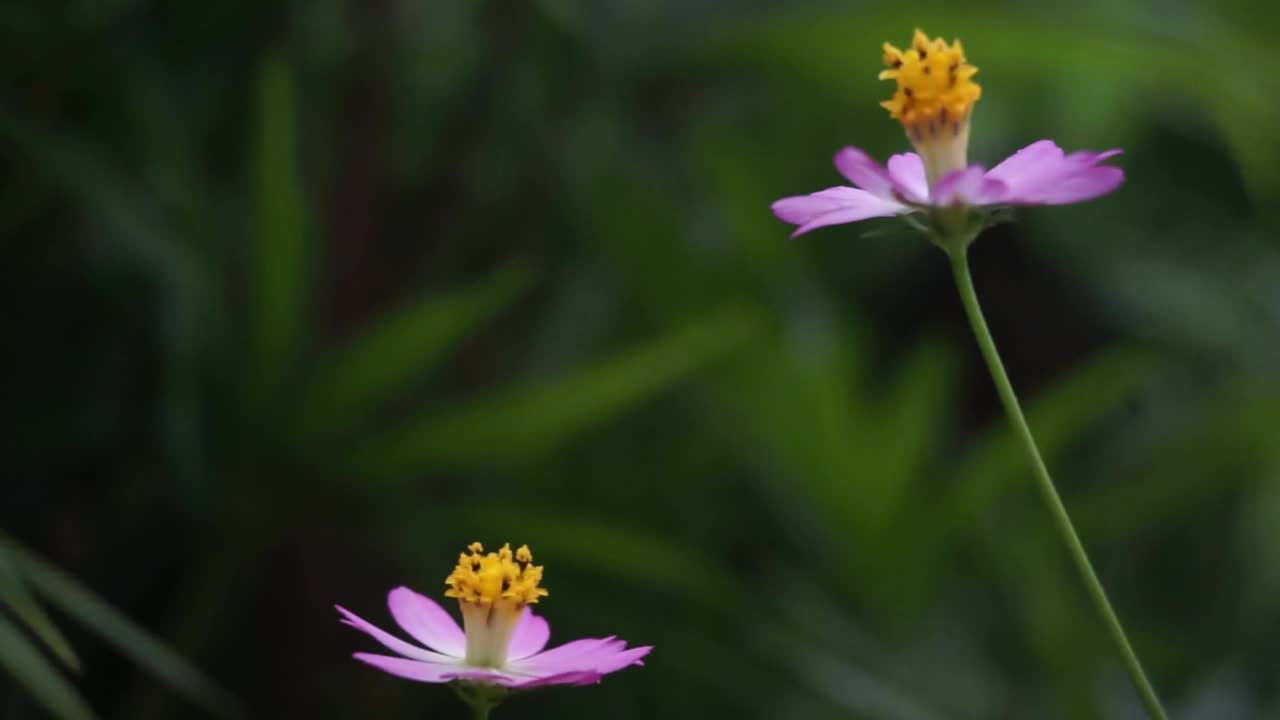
[
  {"x": 934, "y": 101},
  {"x": 504, "y": 640},
  {"x": 1038, "y": 174}
]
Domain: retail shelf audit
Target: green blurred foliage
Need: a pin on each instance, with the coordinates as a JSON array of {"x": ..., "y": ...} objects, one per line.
[{"x": 303, "y": 297}]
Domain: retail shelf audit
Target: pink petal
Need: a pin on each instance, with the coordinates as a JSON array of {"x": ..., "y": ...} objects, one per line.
[
  {"x": 967, "y": 186},
  {"x": 803, "y": 208},
  {"x": 575, "y": 677},
  {"x": 1040, "y": 174},
  {"x": 530, "y": 636},
  {"x": 1028, "y": 165},
  {"x": 1079, "y": 186},
  {"x": 486, "y": 675},
  {"x": 523, "y": 682},
  {"x": 907, "y": 172},
  {"x": 411, "y": 669},
  {"x": 390, "y": 641},
  {"x": 832, "y": 207},
  {"x": 427, "y": 622},
  {"x": 863, "y": 171},
  {"x": 626, "y": 658},
  {"x": 448, "y": 672},
  {"x": 571, "y": 652},
  {"x": 600, "y": 656}
]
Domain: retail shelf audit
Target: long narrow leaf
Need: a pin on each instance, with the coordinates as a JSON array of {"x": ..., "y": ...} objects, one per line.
[
  {"x": 14, "y": 593},
  {"x": 408, "y": 345},
  {"x": 39, "y": 676},
  {"x": 97, "y": 615},
  {"x": 280, "y": 265},
  {"x": 515, "y": 425},
  {"x": 908, "y": 425}
]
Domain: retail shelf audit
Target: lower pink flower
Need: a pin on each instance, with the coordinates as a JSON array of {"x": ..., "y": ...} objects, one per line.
[{"x": 504, "y": 641}]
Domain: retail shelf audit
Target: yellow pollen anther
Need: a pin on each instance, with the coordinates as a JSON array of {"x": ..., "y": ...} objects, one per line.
[
  {"x": 493, "y": 590},
  {"x": 484, "y": 579},
  {"x": 935, "y": 84}
]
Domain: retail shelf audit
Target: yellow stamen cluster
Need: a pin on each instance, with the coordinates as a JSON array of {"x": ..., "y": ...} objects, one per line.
[
  {"x": 935, "y": 85},
  {"x": 493, "y": 590},
  {"x": 484, "y": 579}
]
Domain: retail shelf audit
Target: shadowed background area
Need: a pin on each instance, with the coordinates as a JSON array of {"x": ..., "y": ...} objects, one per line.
[{"x": 301, "y": 298}]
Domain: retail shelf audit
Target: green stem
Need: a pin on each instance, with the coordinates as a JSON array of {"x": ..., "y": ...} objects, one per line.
[
  {"x": 964, "y": 283},
  {"x": 479, "y": 697}
]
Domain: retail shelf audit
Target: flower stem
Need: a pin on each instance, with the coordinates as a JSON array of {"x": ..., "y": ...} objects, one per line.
[
  {"x": 481, "y": 698},
  {"x": 964, "y": 283}
]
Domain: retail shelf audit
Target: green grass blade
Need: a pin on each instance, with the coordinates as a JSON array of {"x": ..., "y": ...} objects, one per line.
[
  {"x": 14, "y": 593},
  {"x": 280, "y": 267},
  {"x": 98, "y": 616},
  {"x": 406, "y": 346},
  {"x": 39, "y": 676},
  {"x": 906, "y": 424},
  {"x": 524, "y": 422}
]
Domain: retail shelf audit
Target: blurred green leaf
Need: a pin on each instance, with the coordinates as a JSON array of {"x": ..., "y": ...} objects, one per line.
[
  {"x": 1069, "y": 408},
  {"x": 39, "y": 676},
  {"x": 1258, "y": 534},
  {"x": 811, "y": 38},
  {"x": 630, "y": 554},
  {"x": 134, "y": 225},
  {"x": 95, "y": 614},
  {"x": 832, "y": 656},
  {"x": 1245, "y": 117},
  {"x": 14, "y": 593},
  {"x": 409, "y": 345},
  {"x": 511, "y": 426},
  {"x": 1232, "y": 425},
  {"x": 906, "y": 426},
  {"x": 280, "y": 266},
  {"x": 568, "y": 14}
]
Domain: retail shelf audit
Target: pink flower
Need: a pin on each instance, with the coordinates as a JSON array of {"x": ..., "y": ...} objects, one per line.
[
  {"x": 504, "y": 640},
  {"x": 934, "y": 101},
  {"x": 1038, "y": 174}
]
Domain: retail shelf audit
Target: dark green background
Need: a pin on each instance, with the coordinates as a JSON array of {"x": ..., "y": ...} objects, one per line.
[{"x": 300, "y": 298}]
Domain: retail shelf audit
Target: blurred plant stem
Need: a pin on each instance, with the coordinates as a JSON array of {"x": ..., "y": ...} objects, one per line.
[{"x": 964, "y": 283}]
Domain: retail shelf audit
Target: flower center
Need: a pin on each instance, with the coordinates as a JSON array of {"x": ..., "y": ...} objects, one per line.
[
  {"x": 492, "y": 590},
  {"x": 934, "y": 99}
]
